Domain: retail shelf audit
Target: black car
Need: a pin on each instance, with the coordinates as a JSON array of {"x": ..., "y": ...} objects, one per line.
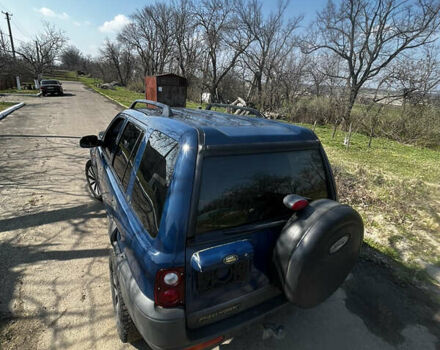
[{"x": 51, "y": 87}]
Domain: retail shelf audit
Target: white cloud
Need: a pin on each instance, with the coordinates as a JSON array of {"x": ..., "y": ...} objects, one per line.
[
  {"x": 47, "y": 12},
  {"x": 81, "y": 23},
  {"x": 114, "y": 25}
]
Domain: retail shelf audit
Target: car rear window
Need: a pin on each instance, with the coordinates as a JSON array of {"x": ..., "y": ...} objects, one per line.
[
  {"x": 49, "y": 82},
  {"x": 245, "y": 189}
]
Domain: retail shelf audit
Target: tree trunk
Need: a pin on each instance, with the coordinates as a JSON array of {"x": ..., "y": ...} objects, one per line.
[
  {"x": 348, "y": 137},
  {"x": 335, "y": 126},
  {"x": 347, "y": 115},
  {"x": 258, "y": 79}
]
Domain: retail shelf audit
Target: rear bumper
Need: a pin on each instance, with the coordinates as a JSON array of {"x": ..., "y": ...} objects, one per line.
[
  {"x": 166, "y": 328},
  {"x": 56, "y": 90}
]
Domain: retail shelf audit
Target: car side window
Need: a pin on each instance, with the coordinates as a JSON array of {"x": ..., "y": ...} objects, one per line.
[
  {"x": 111, "y": 135},
  {"x": 153, "y": 179},
  {"x": 125, "y": 152}
]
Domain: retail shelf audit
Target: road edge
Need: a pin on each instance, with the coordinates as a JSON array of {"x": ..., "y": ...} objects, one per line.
[
  {"x": 106, "y": 96},
  {"x": 18, "y": 94},
  {"x": 7, "y": 111}
]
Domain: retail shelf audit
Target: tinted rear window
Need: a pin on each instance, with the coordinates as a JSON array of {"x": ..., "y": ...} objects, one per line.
[
  {"x": 49, "y": 82},
  {"x": 245, "y": 189}
]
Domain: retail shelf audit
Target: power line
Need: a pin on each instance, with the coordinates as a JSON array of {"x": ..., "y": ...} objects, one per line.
[{"x": 22, "y": 32}]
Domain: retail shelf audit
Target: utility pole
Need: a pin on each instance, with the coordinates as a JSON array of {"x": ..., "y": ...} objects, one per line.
[
  {"x": 8, "y": 19},
  {"x": 38, "y": 54}
]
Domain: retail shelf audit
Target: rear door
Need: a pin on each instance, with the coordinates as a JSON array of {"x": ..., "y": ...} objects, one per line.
[
  {"x": 118, "y": 155},
  {"x": 239, "y": 217}
]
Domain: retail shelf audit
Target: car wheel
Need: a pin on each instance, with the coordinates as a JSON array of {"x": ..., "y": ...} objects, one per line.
[
  {"x": 124, "y": 324},
  {"x": 92, "y": 181}
]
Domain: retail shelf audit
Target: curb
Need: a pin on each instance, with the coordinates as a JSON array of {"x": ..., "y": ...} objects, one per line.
[
  {"x": 110, "y": 98},
  {"x": 11, "y": 109},
  {"x": 26, "y": 95}
]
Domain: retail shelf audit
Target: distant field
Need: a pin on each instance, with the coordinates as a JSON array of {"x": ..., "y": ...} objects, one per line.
[{"x": 4, "y": 105}]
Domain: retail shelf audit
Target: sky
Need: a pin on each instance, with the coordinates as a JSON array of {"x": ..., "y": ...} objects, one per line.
[{"x": 88, "y": 23}]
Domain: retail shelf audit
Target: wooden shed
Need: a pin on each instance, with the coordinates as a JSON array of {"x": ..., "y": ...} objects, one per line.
[{"x": 166, "y": 88}]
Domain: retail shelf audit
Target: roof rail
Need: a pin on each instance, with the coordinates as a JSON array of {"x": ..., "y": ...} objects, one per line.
[
  {"x": 166, "y": 111},
  {"x": 249, "y": 109}
]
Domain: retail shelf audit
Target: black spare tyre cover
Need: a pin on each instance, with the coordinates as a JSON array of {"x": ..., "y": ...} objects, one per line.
[{"x": 316, "y": 250}]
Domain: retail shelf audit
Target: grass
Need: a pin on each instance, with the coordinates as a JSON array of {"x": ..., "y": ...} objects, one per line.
[
  {"x": 15, "y": 91},
  {"x": 63, "y": 75},
  {"x": 386, "y": 155},
  {"x": 5, "y": 105},
  {"x": 120, "y": 94},
  {"x": 395, "y": 187}
]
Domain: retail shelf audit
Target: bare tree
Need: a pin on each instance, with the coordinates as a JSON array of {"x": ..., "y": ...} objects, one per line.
[
  {"x": 225, "y": 38},
  {"x": 286, "y": 80},
  {"x": 40, "y": 55},
  {"x": 416, "y": 78},
  {"x": 273, "y": 41},
  {"x": 151, "y": 34},
  {"x": 187, "y": 51},
  {"x": 5, "y": 56},
  {"x": 369, "y": 35},
  {"x": 71, "y": 58},
  {"x": 119, "y": 58}
]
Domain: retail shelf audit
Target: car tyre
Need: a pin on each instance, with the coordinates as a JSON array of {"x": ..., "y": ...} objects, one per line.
[
  {"x": 92, "y": 180},
  {"x": 127, "y": 331}
]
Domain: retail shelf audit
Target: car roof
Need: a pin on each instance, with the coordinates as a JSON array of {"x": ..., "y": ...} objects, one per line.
[{"x": 220, "y": 128}]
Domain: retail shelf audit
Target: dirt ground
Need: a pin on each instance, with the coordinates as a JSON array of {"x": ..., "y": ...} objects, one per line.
[{"x": 55, "y": 292}]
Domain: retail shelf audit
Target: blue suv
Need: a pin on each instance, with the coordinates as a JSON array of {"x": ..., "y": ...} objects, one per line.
[{"x": 216, "y": 219}]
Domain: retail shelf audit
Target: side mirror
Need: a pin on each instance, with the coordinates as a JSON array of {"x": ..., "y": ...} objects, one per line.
[{"x": 90, "y": 141}]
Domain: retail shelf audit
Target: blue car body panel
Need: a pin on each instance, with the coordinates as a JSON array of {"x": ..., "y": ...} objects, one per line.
[{"x": 198, "y": 133}]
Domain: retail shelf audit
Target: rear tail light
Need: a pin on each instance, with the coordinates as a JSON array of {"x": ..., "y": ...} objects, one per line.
[
  {"x": 169, "y": 289},
  {"x": 295, "y": 202}
]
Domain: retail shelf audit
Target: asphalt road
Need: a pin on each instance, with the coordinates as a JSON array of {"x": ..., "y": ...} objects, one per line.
[{"x": 54, "y": 291}]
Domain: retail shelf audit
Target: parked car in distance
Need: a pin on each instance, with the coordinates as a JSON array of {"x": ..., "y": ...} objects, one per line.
[
  {"x": 215, "y": 220},
  {"x": 51, "y": 87}
]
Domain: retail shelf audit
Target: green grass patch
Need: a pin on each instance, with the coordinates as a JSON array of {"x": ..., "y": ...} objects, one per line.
[
  {"x": 120, "y": 94},
  {"x": 396, "y": 189},
  {"x": 5, "y": 105},
  {"x": 16, "y": 91},
  {"x": 391, "y": 157},
  {"x": 62, "y": 75}
]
